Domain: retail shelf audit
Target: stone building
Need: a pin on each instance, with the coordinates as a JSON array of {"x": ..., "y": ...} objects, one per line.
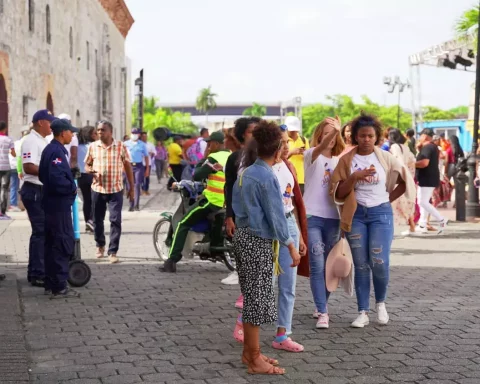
[{"x": 67, "y": 56}]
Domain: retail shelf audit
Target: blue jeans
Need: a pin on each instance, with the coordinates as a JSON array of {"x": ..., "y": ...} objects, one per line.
[
  {"x": 370, "y": 241},
  {"x": 287, "y": 280},
  {"x": 14, "y": 182},
  {"x": 323, "y": 234}
]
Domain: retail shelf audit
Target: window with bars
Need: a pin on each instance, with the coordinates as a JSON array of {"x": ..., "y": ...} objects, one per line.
[
  {"x": 31, "y": 15},
  {"x": 49, "y": 32},
  {"x": 70, "y": 38}
]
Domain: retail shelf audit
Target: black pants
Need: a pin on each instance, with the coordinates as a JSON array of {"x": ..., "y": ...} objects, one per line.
[
  {"x": 115, "y": 204},
  {"x": 59, "y": 248},
  {"x": 199, "y": 211},
  {"x": 146, "y": 181},
  {"x": 31, "y": 197},
  {"x": 177, "y": 173},
  {"x": 85, "y": 185}
]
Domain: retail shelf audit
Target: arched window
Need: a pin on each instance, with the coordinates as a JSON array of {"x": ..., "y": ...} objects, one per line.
[
  {"x": 49, "y": 33},
  {"x": 50, "y": 103},
  {"x": 31, "y": 15},
  {"x": 3, "y": 100},
  {"x": 70, "y": 38}
]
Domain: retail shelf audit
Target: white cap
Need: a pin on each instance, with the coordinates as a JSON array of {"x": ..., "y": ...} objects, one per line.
[
  {"x": 293, "y": 124},
  {"x": 65, "y": 116}
]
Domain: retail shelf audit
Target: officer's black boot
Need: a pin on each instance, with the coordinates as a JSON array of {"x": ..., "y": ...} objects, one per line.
[{"x": 169, "y": 266}]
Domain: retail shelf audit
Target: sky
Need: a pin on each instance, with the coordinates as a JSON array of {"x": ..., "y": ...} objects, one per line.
[{"x": 268, "y": 51}]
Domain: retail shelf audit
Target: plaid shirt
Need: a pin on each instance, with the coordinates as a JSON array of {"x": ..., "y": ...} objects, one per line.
[{"x": 108, "y": 163}]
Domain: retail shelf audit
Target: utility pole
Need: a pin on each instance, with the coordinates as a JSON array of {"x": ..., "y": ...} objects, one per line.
[
  {"x": 391, "y": 89},
  {"x": 139, "y": 95},
  {"x": 473, "y": 207}
]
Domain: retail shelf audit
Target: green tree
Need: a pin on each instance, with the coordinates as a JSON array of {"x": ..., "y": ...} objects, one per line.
[
  {"x": 468, "y": 23},
  {"x": 255, "y": 110},
  {"x": 149, "y": 107},
  {"x": 460, "y": 111},
  {"x": 176, "y": 122},
  {"x": 433, "y": 113},
  {"x": 206, "y": 101}
]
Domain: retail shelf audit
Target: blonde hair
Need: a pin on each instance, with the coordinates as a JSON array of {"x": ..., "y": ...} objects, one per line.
[{"x": 317, "y": 134}]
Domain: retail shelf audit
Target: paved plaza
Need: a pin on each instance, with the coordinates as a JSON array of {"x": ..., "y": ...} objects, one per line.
[{"x": 134, "y": 324}]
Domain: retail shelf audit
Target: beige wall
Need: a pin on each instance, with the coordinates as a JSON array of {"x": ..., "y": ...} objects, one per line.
[{"x": 36, "y": 67}]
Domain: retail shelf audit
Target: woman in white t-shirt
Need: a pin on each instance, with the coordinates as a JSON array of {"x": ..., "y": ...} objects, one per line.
[
  {"x": 365, "y": 182},
  {"x": 322, "y": 215}
]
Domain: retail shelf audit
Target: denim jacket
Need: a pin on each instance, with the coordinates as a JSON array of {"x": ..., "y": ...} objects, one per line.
[{"x": 258, "y": 205}]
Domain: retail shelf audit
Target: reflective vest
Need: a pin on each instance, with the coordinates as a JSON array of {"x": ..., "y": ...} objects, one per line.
[{"x": 216, "y": 181}]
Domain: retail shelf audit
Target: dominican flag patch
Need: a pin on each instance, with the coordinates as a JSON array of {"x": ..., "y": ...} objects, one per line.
[
  {"x": 27, "y": 155},
  {"x": 57, "y": 161}
]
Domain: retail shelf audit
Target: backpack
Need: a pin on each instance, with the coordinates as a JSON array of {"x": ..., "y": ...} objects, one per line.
[
  {"x": 304, "y": 140},
  {"x": 194, "y": 153}
]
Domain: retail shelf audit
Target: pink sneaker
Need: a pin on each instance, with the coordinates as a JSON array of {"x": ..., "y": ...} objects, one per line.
[
  {"x": 288, "y": 345},
  {"x": 239, "y": 302},
  {"x": 238, "y": 332},
  {"x": 323, "y": 320}
]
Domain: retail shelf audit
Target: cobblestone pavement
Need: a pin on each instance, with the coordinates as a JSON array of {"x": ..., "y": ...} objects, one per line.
[{"x": 134, "y": 324}]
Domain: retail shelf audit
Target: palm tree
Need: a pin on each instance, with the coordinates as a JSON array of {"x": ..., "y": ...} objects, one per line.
[
  {"x": 206, "y": 101},
  {"x": 468, "y": 24},
  {"x": 255, "y": 110}
]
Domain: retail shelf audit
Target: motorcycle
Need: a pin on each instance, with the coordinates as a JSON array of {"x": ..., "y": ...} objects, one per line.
[{"x": 190, "y": 191}]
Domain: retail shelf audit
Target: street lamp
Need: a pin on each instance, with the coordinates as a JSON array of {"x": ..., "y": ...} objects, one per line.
[
  {"x": 473, "y": 207},
  {"x": 391, "y": 88},
  {"x": 139, "y": 96}
]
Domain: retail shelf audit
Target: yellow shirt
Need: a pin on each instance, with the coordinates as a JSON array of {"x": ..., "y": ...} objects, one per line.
[
  {"x": 297, "y": 160},
  {"x": 174, "y": 154}
]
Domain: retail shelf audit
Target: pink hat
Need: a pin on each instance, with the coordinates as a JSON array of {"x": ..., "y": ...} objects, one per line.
[{"x": 338, "y": 268}]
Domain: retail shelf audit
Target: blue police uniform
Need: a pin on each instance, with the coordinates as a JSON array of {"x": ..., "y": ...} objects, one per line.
[
  {"x": 59, "y": 193},
  {"x": 138, "y": 151}
]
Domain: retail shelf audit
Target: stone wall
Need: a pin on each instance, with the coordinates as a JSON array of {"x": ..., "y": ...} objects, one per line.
[{"x": 89, "y": 85}]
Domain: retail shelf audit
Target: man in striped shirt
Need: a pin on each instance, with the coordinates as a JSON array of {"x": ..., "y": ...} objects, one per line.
[{"x": 106, "y": 160}]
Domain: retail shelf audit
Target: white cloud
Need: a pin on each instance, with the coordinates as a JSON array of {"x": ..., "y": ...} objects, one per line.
[{"x": 302, "y": 17}]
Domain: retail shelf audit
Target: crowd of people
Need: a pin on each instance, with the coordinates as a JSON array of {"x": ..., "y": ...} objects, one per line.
[{"x": 293, "y": 206}]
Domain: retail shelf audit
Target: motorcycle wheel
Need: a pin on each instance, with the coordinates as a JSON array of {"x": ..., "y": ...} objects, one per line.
[
  {"x": 228, "y": 257},
  {"x": 160, "y": 234},
  {"x": 79, "y": 273}
]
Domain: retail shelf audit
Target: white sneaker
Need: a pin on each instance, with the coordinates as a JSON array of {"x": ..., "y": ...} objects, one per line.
[
  {"x": 420, "y": 229},
  {"x": 407, "y": 233},
  {"x": 361, "y": 321},
  {"x": 316, "y": 314},
  {"x": 231, "y": 279},
  {"x": 323, "y": 321},
  {"x": 382, "y": 315},
  {"x": 443, "y": 224}
]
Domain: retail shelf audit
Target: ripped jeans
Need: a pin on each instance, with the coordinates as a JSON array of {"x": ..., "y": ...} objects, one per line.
[
  {"x": 323, "y": 234},
  {"x": 370, "y": 241}
]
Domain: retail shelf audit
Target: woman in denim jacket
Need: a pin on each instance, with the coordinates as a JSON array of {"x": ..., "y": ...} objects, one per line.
[{"x": 260, "y": 219}]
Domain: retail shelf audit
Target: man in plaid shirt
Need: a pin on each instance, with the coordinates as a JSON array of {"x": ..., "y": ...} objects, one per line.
[{"x": 107, "y": 159}]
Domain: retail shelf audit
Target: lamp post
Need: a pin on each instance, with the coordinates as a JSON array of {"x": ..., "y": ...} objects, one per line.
[
  {"x": 139, "y": 96},
  {"x": 391, "y": 88},
  {"x": 473, "y": 207}
]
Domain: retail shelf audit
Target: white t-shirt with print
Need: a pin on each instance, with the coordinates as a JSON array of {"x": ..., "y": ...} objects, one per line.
[
  {"x": 373, "y": 191},
  {"x": 286, "y": 181},
  {"x": 31, "y": 152},
  {"x": 318, "y": 201}
]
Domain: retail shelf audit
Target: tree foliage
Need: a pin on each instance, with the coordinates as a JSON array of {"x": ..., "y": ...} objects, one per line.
[
  {"x": 154, "y": 117},
  {"x": 206, "y": 100},
  {"x": 256, "y": 109},
  {"x": 347, "y": 109},
  {"x": 468, "y": 23}
]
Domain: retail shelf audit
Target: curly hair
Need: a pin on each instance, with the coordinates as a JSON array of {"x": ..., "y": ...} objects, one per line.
[
  {"x": 267, "y": 139},
  {"x": 241, "y": 126},
  {"x": 366, "y": 120}
]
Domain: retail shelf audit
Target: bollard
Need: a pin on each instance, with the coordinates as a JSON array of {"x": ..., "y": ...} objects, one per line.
[{"x": 461, "y": 180}]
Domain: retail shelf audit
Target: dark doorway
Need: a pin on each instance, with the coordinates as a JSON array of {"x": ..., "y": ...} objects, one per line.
[
  {"x": 50, "y": 103},
  {"x": 3, "y": 100}
]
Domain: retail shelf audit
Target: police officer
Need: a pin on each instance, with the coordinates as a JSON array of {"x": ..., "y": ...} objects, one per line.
[
  {"x": 138, "y": 154},
  {"x": 31, "y": 151},
  {"x": 59, "y": 193}
]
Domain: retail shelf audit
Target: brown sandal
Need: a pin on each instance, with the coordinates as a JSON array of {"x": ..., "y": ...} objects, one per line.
[
  {"x": 265, "y": 358},
  {"x": 271, "y": 371}
]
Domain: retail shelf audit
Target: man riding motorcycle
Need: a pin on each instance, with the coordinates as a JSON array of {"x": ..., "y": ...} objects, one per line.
[{"x": 213, "y": 199}]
